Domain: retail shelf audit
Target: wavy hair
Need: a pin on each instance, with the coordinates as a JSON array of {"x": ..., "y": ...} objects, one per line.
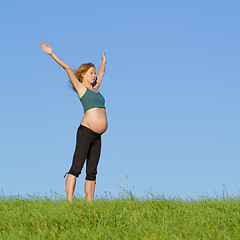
[{"x": 78, "y": 73}]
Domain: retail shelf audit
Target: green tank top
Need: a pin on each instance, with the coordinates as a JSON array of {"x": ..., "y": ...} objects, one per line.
[{"x": 91, "y": 99}]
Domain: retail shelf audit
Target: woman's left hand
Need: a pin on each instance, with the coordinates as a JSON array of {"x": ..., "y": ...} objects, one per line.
[{"x": 103, "y": 57}]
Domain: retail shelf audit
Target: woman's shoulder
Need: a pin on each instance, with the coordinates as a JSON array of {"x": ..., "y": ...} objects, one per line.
[{"x": 81, "y": 90}]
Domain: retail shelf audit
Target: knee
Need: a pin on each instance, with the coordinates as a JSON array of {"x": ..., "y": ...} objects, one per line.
[
  {"x": 91, "y": 176},
  {"x": 74, "y": 173}
]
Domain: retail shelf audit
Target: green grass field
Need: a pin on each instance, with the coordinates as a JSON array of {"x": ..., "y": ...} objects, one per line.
[{"x": 125, "y": 217}]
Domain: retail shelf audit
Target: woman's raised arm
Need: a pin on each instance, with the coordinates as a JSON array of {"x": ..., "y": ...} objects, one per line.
[
  {"x": 78, "y": 85},
  {"x": 51, "y": 53},
  {"x": 101, "y": 71}
]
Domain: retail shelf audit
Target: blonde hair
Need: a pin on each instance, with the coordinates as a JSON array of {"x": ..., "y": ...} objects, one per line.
[{"x": 78, "y": 73}]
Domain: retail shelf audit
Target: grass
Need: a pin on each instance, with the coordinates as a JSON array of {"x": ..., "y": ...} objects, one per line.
[{"x": 125, "y": 217}]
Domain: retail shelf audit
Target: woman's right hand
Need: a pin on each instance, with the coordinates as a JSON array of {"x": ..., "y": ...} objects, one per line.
[{"x": 46, "y": 49}]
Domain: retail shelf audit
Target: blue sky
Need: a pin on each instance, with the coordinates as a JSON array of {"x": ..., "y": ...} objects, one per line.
[{"x": 171, "y": 88}]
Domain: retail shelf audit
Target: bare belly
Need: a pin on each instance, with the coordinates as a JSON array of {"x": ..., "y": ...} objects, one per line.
[{"x": 96, "y": 120}]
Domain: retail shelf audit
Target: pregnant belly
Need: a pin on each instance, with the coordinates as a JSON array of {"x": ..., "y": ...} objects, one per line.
[{"x": 96, "y": 120}]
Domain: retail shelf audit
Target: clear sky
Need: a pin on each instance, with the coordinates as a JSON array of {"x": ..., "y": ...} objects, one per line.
[{"x": 171, "y": 88}]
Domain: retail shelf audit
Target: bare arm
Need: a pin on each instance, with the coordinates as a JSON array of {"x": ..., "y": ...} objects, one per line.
[
  {"x": 101, "y": 71},
  {"x": 77, "y": 85},
  {"x": 69, "y": 71},
  {"x": 51, "y": 53},
  {"x": 59, "y": 61}
]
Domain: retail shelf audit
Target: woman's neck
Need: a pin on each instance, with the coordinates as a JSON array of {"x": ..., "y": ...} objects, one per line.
[{"x": 87, "y": 85}]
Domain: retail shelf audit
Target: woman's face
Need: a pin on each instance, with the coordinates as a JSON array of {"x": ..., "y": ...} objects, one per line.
[{"x": 90, "y": 75}]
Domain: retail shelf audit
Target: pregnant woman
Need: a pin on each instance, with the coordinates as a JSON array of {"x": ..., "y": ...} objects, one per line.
[{"x": 92, "y": 126}]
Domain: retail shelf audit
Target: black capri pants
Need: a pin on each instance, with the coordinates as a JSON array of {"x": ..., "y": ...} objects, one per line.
[{"x": 88, "y": 146}]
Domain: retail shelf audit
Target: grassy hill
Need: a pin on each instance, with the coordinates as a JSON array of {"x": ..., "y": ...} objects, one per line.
[{"x": 126, "y": 217}]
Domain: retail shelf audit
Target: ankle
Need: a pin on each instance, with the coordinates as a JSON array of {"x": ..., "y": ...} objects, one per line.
[{"x": 89, "y": 197}]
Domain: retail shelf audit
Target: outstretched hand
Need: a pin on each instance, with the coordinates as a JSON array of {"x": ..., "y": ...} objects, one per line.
[
  {"x": 103, "y": 57},
  {"x": 46, "y": 49}
]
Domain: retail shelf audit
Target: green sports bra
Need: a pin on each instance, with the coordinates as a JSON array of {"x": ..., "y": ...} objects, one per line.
[{"x": 91, "y": 99}]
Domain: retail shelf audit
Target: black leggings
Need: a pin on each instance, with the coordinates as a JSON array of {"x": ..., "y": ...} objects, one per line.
[{"x": 88, "y": 145}]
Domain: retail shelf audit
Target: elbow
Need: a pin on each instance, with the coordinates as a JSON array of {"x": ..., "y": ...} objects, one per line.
[{"x": 67, "y": 67}]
